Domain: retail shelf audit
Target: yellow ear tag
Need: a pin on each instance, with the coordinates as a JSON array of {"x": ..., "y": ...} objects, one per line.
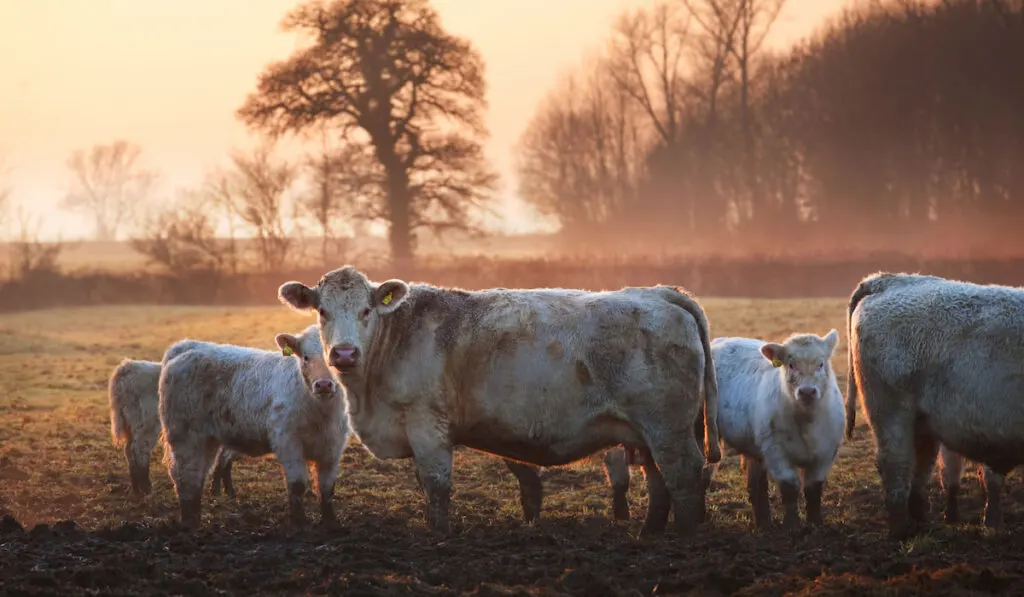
[
  {"x": 287, "y": 351},
  {"x": 387, "y": 299},
  {"x": 776, "y": 362}
]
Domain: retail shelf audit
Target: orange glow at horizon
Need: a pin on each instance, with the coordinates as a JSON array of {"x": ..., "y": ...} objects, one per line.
[{"x": 170, "y": 75}]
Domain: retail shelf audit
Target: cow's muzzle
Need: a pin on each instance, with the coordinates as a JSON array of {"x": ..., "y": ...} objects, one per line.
[
  {"x": 807, "y": 395},
  {"x": 344, "y": 357},
  {"x": 323, "y": 388}
]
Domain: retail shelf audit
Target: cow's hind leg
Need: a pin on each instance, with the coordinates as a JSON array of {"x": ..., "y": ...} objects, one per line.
[
  {"x": 951, "y": 466},
  {"x": 616, "y": 467},
  {"x": 659, "y": 501},
  {"x": 531, "y": 490},
  {"x": 992, "y": 482},
  {"x": 138, "y": 456},
  {"x": 926, "y": 448},
  {"x": 222, "y": 473},
  {"x": 894, "y": 438},
  {"x": 681, "y": 462},
  {"x": 189, "y": 460}
]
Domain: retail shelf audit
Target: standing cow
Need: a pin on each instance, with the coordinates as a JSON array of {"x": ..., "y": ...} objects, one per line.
[
  {"x": 781, "y": 409},
  {"x": 936, "y": 361},
  {"x": 545, "y": 377},
  {"x": 135, "y": 423}
]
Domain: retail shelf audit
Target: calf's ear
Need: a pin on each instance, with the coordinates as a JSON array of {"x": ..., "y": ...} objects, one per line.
[
  {"x": 298, "y": 296},
  {"x": 776, "y": 353},
  {"x": 831, "y": 340},
  {"x": 390, "y": 295},
  {"x": 289, "y": 345}
]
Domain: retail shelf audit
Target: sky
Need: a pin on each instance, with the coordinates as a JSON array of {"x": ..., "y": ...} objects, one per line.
[{"x": 170, "y": 76}]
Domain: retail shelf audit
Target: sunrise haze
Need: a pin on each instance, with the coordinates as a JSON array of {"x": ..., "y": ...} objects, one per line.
[{"x": 170, "y": 76}]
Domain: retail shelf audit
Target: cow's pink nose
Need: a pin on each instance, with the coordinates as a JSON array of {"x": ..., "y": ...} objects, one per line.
[
  {"x": 344, "y": 357},
  {"x": 807, "y": 394},
  {"x": 323, "y": 386}
]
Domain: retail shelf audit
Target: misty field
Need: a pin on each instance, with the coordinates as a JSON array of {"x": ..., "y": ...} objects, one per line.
[{"x": 57, "y": 463}]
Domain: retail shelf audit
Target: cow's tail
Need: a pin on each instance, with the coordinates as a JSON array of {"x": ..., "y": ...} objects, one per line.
[
  {"x": 712, "y": 449},
  {"x": 120, "y": 430},
  {"x": 871, "y": 285}
]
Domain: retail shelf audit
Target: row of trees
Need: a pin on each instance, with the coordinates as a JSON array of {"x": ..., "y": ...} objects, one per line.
[{"x": 897, "y": 124}]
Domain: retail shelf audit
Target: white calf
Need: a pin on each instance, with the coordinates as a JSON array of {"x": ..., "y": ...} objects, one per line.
[
  {"x": 255, "y": 402},
  {"x": 781, "y": 409},
  {"x": 135, "y": 423}
]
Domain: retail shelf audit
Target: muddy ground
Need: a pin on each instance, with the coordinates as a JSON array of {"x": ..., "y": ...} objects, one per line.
[{"x": 245, "y": 547}]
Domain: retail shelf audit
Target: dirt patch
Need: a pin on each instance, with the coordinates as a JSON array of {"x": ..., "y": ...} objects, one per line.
[{"x": 385, "y": 554}]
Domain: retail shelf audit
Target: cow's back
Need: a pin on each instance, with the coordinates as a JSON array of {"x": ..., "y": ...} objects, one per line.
[
  {"x": 227, "y": 390},
  {"x": 956, "y": 350}
]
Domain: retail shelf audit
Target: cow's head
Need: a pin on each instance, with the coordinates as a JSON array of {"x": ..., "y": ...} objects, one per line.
[
  {"x": 349, "y": 307},
  {"x": 307, "y": 349},
  {"x": 805, "y": 364}
]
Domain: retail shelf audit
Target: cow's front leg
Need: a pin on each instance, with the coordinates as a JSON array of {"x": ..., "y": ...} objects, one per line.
[
  {"x": 531, "y": 490},
  {"x": 296, "y": 477},
  {"x": 433, "y": 458},
  {"x": 326, "y": 475}
]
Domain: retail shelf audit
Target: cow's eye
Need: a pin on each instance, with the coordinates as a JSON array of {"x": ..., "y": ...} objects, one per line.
[
  {"x": 365, "y": 313},
  {"x": 322, "y": 312},
  {"x": 821, "y": 366}
]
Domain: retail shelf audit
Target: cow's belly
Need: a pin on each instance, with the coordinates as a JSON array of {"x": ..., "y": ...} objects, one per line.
[
  {"x": 548, "y": 445},
  {"x": 980, "y": 417}
]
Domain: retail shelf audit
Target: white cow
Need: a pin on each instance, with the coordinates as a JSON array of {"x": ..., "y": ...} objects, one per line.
[
  {"x": 780, "y": 407},
  {"x": 546, "y": 377},
  {"x": 936, "y": 362},
  {"x": 255, "y": 402}
]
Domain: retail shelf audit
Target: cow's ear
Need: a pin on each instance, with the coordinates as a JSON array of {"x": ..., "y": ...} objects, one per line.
[
  {"x": 298, "y": 296},
  {"x": 831, "y": 340},
  {"x": 289, "y": 345},
  {"x": 776, "y": 353},
  {"x": 390, "y": 295}
]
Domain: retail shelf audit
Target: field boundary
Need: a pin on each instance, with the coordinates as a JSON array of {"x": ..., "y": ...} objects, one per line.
[{"x": 787, "y": 277}]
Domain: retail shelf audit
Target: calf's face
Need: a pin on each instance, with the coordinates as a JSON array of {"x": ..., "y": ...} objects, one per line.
[
  {"x": 308, "y": 350},
  {"x": 805, "y": 364},
  {"x": 349, "y": 307}
]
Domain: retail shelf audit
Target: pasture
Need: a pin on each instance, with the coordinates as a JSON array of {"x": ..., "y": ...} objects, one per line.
[{"x": 57, "y": 464}]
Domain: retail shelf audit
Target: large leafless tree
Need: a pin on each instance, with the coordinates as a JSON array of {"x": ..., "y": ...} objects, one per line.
[{"x": 396, "y": 84}]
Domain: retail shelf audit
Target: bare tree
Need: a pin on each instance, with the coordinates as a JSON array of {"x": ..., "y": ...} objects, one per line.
[
  {"x": 389, "y": 75},
  {"x": 259, "y": 188},
  {"x": 182, "y": 237},
  {"x": 28, "y": 254},
  {"x": 109, "y": 184},
  {"x": 646, "y": 62},
  {"x": 581, "y": 156},
  {"x": 217, "y": 189}
]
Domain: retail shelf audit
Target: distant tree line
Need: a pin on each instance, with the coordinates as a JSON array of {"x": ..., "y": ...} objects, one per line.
[{"x": 898, "y": 126}]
